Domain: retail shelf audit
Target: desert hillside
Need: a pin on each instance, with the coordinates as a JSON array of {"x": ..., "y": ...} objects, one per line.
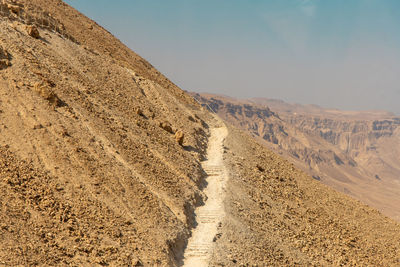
[
  {"x": 276, "y": 215},
  {"x": 354, "y": 152},
  {"x": 90, "y": 168},
  {"x": 105, "y": 162}
]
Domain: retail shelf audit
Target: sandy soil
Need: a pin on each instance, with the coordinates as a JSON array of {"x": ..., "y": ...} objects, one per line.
[{"x": 209, "y": 216}]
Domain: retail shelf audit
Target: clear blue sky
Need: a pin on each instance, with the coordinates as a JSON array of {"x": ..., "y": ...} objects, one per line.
[{"x": 337, "y": 53}]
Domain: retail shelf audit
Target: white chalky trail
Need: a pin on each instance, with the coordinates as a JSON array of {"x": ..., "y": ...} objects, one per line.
[{"x": 200, "y": 245}]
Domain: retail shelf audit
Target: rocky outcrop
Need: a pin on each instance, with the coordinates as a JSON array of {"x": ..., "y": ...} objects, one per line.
[
  {"x": 35, "y": 17},
  {"x": 235, "y": 109},
  {"x": 352, "y": 137}
]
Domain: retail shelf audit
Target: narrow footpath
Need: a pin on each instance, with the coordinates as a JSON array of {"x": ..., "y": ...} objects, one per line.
[{"x": 201, "y": 243}]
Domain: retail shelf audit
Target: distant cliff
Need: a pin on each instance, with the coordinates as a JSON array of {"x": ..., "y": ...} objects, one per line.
[{"x": 355, "y": 152}]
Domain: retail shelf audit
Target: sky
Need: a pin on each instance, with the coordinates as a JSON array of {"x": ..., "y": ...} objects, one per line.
[{"x": 337, "y": 54}]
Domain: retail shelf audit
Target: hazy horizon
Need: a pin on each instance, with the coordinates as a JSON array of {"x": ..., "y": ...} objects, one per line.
[{"x": 335, "y": 54}]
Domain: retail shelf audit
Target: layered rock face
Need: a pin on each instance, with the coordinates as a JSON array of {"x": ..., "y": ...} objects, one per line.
[
  {"x": 353, "y": 137},
  {"x": 355, "y": 152}
]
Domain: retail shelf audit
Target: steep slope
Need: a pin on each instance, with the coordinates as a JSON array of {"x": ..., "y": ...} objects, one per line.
[
  {"x": 91, "y": 171},
  {"x": 277, "y": 215},
  {"x": 354, "y": 152},
  {"x": 96, "y": 39}
]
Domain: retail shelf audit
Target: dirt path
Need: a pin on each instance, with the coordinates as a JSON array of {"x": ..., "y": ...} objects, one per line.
[{"x": 200, "y": 245}]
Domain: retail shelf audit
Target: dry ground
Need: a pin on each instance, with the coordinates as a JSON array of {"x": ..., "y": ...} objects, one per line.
[
  {"x": 91, "y": 173},
  {"x": 277, "y": 215}
]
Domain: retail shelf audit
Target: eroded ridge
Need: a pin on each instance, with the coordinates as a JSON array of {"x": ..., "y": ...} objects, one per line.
[{"x": 200, "y": 245}]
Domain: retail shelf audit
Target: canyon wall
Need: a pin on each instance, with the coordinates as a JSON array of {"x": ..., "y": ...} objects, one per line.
[{"x": 355, "y": 152}]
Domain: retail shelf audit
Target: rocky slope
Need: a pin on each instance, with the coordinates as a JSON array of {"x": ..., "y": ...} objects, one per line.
[
  {"x": 277, "y": 215},
  {"x": 354, "y": 152},
  {"x": 100, "y": 164},
  {"x": 90, "y": 168}
]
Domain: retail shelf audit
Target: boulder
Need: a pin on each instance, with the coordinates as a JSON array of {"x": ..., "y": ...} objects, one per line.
[
  {"x": 179, "y": 135},
  {"x": 46, "y": 92},
  {"x": 33, "y": 31},
  {"x": 166, "y": 126}
]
